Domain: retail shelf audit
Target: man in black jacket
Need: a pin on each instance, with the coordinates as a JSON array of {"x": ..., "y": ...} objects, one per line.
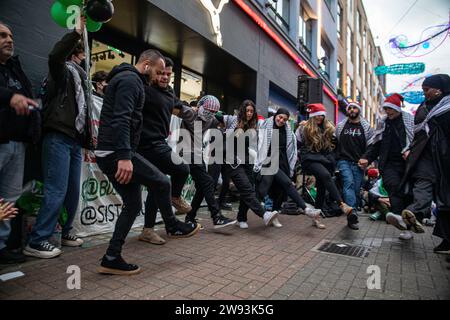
[
  {"x": 64, "y": 125},
  {"x": 16, "y": 120},
  {"x": 121, "y": 125}
]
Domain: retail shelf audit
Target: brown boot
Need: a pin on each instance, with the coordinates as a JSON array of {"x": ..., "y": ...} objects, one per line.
[
  {"x": 149, "y": 235},
  {"x": 346, "y": 208},
  {"x": 181, "y": 205}
]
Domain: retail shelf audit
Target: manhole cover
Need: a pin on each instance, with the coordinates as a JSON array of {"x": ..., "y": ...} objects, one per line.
[{"x": 344, "y": 249}]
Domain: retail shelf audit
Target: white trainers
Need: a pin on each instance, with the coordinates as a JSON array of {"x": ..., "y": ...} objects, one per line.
[
  {"x": 269, "y": 217},
  {"x": 405, "y": 235},
  {"x": 44, "y": 250},
  {"x": 396, "y": 221},
  {"x": 276, "y": 223},
  {"x": 243, "y": 225},
  {"x": 70, "y": 240},
  {"x": 312, "y": 213}
]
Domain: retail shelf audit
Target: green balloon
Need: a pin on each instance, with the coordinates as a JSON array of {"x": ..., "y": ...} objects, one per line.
[
  {"x": 92, "y": 26},
  {"x": 71, "y": 2},
  {"x": 59, "y": 14}
]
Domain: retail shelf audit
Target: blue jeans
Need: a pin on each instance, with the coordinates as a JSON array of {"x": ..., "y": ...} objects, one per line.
[
  {"x": 12, "y": 162},
  {"x": 352, "y": 177},
  {"x": 61, "y": 161}
]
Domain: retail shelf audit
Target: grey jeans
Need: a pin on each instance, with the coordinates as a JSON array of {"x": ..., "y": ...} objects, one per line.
[{"x": 12, "y": 162}]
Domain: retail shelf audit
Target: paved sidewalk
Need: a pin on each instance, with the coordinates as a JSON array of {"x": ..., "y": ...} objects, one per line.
[{"x": 258, "y": 263}]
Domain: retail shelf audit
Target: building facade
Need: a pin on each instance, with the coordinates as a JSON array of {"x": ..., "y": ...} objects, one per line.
[
  {"x": 236, "y": 49},
  {"x": 357, "y": 58}
]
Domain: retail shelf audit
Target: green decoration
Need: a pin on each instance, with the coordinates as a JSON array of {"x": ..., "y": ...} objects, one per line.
[
  {"x": 59, "y": 14},
  {"x": 93, "y": 26},
  {"x": 72, "y": 2}
]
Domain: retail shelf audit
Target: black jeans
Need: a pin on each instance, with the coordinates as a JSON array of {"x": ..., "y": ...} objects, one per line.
[
  {"x": 204, "y": 188},
  {"x": 161, "y": 155},
  {"x": 442, "y": 227},
  {"x": 423, "y": 196},
  {"x": 242, "y": 177},
  {"x": 146, "y": 174},
  {"x": 392, "y": 175},
  {"x": 324, "y": 182},
  {"x": 280, "y": 181},
  {"x": 214, "y": 171}
]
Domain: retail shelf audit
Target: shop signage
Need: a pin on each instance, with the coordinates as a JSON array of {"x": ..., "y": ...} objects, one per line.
[{"x": 215, "y": 17}]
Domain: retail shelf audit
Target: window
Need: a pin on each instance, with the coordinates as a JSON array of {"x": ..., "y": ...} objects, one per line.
[
  {"x": 364, "y": 39},
  {"x": 349, "y": 43},
  {"x": 358, "y": 96},
  {"x": 350, "y": 8},
  {"x": 191, "y": 85},
  {"x": 358, "y": 23},
  {"x": 349, "y": 87},
  {"x": 279, "y": 11},
  {"x": 305, "y": 31},
  {"x": 105, "y": 57},
  {"x": 365, "y": 75},
  {"x": 369, "y": 50},
  {"x": 339, "y": 20},
  {"x": 339, "y": 75},
  {"x": 324, "y": 60},
  {"x": 357, "y": 61},
  {"x": 364, "y": 108}
]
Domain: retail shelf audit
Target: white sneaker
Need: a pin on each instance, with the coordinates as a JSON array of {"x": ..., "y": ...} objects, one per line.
[
  {"x": 269, "y": 217},
  {"x": 396, "y": 221},
  {"x": 44, "y": 250},
  {"x": 276, "y": 223},
  {"x": 71, "y": 241},
  {"x": 312, "y": 213},
  {"x": 243, "y": 225},
  {"x": 405, "y": 235}
]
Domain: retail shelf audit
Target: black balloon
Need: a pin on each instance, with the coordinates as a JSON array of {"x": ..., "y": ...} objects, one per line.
[{"x": 100, "y": 10}]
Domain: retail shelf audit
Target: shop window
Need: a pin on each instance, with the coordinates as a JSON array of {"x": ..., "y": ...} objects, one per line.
[
  {"x": 104, "y": 57},
  {"x": 191, "y": 86}
]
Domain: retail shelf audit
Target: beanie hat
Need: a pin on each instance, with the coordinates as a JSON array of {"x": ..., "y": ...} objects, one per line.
[
  {"x": 394, "y": 101},
  {"x": 373, "y": 173},
  {"x": 209, "y": 103},
  {"x": 317, "y": 109},
  {"x": 438, "y": 81},
  {"x": 354, "y": 104},
  {"x": 283, "y": 111}
]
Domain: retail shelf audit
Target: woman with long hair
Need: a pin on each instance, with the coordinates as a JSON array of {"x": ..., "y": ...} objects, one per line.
[
  {"x": 317, "y": 143},
  {"x": 240, "y": 133},
  {"x": 277, "y": 149}
]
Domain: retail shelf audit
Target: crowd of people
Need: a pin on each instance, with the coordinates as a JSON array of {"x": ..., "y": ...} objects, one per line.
[{"x": 396, "y": 171}]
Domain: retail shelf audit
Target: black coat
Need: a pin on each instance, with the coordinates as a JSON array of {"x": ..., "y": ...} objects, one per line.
[
  {"x": 440, "y": 145},
  {"x": 12, "y": 126},
  {"x": 121, "y": 117}
]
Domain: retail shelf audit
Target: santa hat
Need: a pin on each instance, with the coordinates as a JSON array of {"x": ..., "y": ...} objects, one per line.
[
  {"x": 316, "y": 109},
  {"x": 354, "y": 104},
  {"x": 209, "y": 103},
  {"x": 394, "y": 101},
  {"x": 373, "y": 173}
]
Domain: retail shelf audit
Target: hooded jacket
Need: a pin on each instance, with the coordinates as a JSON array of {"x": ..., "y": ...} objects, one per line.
[{"x": 121, "y": 117}]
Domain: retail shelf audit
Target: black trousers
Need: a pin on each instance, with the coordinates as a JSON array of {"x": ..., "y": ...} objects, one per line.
[
  {"x": 280, "y": 181},
  {"x": 324, "y": 182},
  {"x": 204, "y": 188},
  {"x": 392, "y": 175},
  {"x": 242, "y": 177},
  {"x": 214, "y": 170},
  {"x": 423, "y": 196},
  {"x": 161, "y": 156},
  {"x": 442, "y": 227},
  {"x": 144, "y": 174}
]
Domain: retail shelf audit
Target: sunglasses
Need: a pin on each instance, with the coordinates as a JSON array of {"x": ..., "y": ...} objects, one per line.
[{"x": 351, "y": 108}]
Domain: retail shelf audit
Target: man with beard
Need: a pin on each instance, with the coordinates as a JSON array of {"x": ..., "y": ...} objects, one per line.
[{"x": 353, "y": 135}]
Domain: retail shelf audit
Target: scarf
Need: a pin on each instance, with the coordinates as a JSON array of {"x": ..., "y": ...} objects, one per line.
[
  {"x": 205, "y": 114},
  {"x": 442, "y": 107},
  {"x": 79, "y": 75},
  {"x": 408, "y": 121}
]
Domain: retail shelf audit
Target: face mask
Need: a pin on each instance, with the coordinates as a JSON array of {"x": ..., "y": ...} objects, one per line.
[{"x": 205, "y": 114}]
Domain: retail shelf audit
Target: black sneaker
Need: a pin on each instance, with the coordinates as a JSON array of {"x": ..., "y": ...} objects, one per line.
[
  {"x": 43, "y": 250},
  {"x": 220, "y": 221},
  {"x": 118, "y": 266},
  {"x": 226, "y": 206},
  {"x": 183, "y": 230},
  {"x": 352, "y": 221},
  {"x": 9, "y": 257},
  {"x": 190, "y": 219},
  {"x": 444, "y": 247}
]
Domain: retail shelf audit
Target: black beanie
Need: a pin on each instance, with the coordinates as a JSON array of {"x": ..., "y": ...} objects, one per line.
[
  {"x": 438, "y": 81},
  {"x": 282, "y": 111}
]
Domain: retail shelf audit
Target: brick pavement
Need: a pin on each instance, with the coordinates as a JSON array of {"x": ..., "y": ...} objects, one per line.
[{"x": 258, "y": 263}]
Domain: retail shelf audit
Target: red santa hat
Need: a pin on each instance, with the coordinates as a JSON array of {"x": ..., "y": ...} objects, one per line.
[
  {"x": 394, "y": 101},
  {"x": 316, "y": 109}
]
